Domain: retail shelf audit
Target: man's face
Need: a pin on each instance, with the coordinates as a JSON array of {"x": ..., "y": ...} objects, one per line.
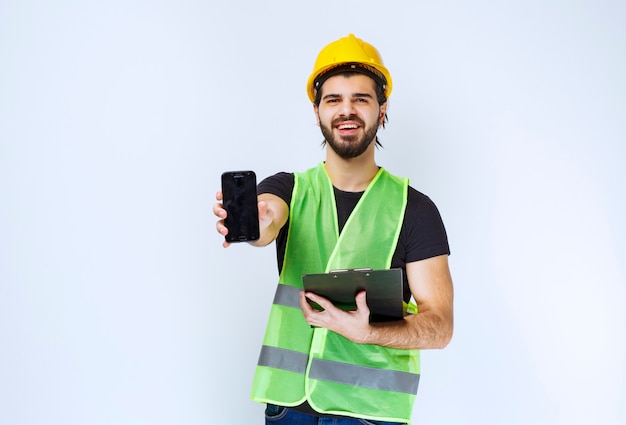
[{"x": 349, "y": 114}]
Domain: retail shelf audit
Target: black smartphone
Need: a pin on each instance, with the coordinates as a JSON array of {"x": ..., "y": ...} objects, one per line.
[{"x": 240, "y": 202}]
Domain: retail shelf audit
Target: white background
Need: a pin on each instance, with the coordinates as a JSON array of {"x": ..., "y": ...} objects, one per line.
[{"x": 118, "y": 304}]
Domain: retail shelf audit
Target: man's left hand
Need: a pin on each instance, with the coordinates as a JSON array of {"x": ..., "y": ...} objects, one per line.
[{"x": 353, "y": 324}]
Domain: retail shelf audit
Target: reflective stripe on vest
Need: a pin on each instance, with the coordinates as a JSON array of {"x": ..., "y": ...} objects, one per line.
[
  {"x": 361, "y": 376},
  {"x": 288, "y": 296},
  {"x": 281, "y": 358}
]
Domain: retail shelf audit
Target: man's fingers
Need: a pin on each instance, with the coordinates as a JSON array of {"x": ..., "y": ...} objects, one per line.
[
  {"x": 321, "y": 301},
  {"x": 361, "y": 302}
]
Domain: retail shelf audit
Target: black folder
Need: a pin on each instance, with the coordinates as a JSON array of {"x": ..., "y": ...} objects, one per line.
[{"x": 383, "y": 290}]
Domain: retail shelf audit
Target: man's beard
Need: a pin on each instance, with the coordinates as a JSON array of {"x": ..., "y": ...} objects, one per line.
[{"x": 349, "y": 146}]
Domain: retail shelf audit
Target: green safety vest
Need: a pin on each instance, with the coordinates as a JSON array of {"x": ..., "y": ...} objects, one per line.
[{"x": 300, "y": 363}]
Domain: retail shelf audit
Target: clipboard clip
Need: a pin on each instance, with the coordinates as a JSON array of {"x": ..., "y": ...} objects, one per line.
[{"x": 362, "y": 269}]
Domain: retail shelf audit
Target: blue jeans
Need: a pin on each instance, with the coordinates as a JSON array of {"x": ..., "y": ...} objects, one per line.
[{"x": 279, "y": 415}]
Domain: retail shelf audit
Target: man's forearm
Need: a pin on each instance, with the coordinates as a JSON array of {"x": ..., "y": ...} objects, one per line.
[{"x": 418, "y": 331}]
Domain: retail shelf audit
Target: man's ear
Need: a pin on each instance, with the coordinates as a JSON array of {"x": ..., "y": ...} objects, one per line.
[
  {"x": 316, "y": 110},
  {"x": 381, "y": 114}
]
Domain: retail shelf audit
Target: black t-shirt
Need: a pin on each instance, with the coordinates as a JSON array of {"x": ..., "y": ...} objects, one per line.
[{"x": 422, "y": 235}]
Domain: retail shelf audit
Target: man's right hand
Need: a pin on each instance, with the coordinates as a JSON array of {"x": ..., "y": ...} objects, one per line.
[
  {"x": 220, "y": 213},
  {"x": 273, "y": 213}
]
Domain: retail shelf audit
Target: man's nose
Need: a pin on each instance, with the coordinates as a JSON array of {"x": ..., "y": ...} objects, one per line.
[{"x": 347, "y": 108}]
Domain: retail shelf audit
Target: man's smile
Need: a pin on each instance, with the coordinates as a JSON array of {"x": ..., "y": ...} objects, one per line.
[{"x": 348, "y": 127}]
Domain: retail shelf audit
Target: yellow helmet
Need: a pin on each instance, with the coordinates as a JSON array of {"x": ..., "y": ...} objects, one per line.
[{"x": 355, "y": 54}]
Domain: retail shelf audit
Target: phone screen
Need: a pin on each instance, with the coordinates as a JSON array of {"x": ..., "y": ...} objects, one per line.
[{"x": 240, "y": 203}]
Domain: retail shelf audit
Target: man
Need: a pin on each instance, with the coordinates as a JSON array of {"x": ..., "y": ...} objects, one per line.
[{"x": 334, "y": 366}]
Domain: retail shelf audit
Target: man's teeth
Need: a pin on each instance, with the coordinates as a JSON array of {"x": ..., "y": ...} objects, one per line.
[{"x": 347, "y": 127}]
